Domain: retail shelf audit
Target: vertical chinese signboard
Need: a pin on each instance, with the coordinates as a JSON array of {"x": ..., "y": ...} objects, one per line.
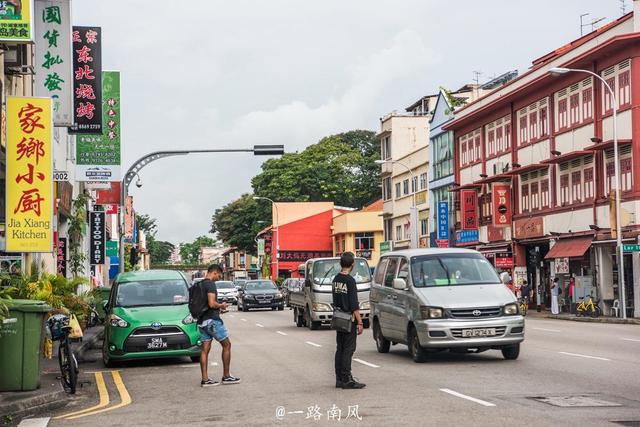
[
  {"x": 54, "y": 76},
  {"x": 443, "y": 224},
  {"x": 501, "y": 194},
  {"x": 469, "y": 208},
  {"x": 16, "y": 18},
  {"x": 61, "y": 256},
  {"x": 87, "y": 80},
  {"x": 98, "y": 156},
  {"x": 29, "y": 175},
  {"x": 128, "y": 218},
  {"x": 97, "y": 238}
]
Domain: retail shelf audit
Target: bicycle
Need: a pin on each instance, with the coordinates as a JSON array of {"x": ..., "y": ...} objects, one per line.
[
  {"x": 588, "y": 308},
  {"x": 524, "y": 305},
  {"x": 59, "y": 327}
]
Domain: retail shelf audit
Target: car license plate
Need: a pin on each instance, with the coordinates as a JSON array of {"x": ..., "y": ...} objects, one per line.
[
  {"x": 263, "y": 301},
  {"x": 156, "y": 343},
  {"x": 486, "y": 332}
]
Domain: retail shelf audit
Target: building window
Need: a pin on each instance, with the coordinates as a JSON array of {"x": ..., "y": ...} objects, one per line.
[
  {"x": 535, "y": 196},
  {"x": 576, "y": 180},
  {"x": 364, "y": 241},
  {"x": 443, "y": 155},
  {"x": 589, "y": 190},
  {"x": 498, "y": 136},
  {"x": 405, "y": 187},
  {"x": 533, "y": 124},
  {"x": 424, "y": 227},
  {"x": 470, "y": 148},
  {"x": 564, "y": 189},
  {"x": 618, "y": 77},
  {"x": 398, "y": 232},
  {"x": 626, "y": 169},
  {"x": 414, "y": 184},
  {"x": 524, "y": 197},
  {"x": 386, "y": 188},
  {"x": 398, "y": 190},
  {"x": 574, "y": 105},
  {"x": 386, "y": 148},
  {"x": 534, "y": 191},
  {"x": 388, "y": 229},
  {"x": 576, "y": 185},
  {"x": 423, "y": 181}
]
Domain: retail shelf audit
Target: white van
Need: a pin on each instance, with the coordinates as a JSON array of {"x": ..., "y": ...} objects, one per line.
[{"x": 443, "y": 299}]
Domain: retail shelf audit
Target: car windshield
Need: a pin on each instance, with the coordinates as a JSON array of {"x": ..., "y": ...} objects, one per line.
[
  {"x": 224, "y": 285},
  {"x": 261, "y": 285},
  {"x": 325, "y": 270},
  {"x": 452, "y": 269},
  {"x": 152, "y": 292}
]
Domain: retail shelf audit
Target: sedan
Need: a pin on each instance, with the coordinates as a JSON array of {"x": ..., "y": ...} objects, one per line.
[
  {"x": 260, "y": 294},
  {"x": 226, "y": 292}
]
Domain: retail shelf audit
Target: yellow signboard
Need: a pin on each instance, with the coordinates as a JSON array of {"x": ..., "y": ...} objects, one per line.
[
  {"x": 29, "y": 175},
  {"x": 16, "y": 20}
]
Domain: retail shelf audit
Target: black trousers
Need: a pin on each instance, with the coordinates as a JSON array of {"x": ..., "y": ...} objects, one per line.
[{"x": 346, "y": 346}]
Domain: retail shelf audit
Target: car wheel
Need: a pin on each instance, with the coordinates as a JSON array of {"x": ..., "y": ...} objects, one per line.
[
  {"x": 281, "y": 308},
  {"x": 195, "y": 359},
  {"x": 512, "y": 352},
  {"x": 382, "y": 344},
  {"x": 366, "y": 323},
  {"x": 418, "y": 354},
  {"x": 108, "y": 363}
]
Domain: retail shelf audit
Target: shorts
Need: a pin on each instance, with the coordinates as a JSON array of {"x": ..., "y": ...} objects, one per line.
[{"x": 214, "y": 329}]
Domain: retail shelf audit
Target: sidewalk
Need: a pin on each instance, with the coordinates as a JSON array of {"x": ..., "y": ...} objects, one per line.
[
  {"x": 50, "y": 395},
  {"x": 532, "y": 313}
]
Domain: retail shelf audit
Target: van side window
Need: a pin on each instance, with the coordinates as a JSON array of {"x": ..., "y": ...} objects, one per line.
[
  {"x": 403, "y": 271},
  {"x": 390, "y": 272},
  {"x": 379, "y": 275}
]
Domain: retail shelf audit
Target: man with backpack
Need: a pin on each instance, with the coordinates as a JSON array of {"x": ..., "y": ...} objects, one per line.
[{"x": 204, "y": 307}]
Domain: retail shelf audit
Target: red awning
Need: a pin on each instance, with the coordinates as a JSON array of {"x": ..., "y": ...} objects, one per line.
[{"x": 570, "y": 248}]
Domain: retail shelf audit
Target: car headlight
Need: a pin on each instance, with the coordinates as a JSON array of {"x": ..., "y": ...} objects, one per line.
[
  {"x": 188, "y": 320},
  {"x": 365, "y": 305},
  {"x": 510, "y": 309},
  {"x": 117, "y": 321},
  {"x": 431, "y": 313},
  {"x": 279, "y": 295},
  {"x": 248, "y": 296},
  {"x": 320, "y": 306}
]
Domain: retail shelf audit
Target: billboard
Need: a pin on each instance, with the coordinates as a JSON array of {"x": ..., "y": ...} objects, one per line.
[
  {"x": 16, "y": 21},
  {"x": 97, "y": 238},
  {"x": 469, "y": 208},
  {"x": 501, "y": 194},
  {"x": 29, "y": 175},
  {"x": 87, "y": 80}
]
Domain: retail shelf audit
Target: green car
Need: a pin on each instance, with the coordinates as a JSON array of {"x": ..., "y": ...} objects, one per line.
[{"x": 148, "y": 317}]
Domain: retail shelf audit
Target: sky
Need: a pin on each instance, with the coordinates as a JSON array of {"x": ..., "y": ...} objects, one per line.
[{"x": 231, "y": 74}]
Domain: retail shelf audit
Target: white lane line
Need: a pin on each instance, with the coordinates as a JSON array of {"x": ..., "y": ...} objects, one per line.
[
  {"x": 259, "y": 325},
  {"x": 313, "y": 344},
  {"x": 547, "y": 330},
  {"x": 463, "y": 396},
  {"x": 34, "y": 422},
  {"x": 630, "y": 339},
  {"x": 585, "y": 356},
  {"x": 244, "y": 320},
  {"x": 281, "y": 333},
  {"x": 364, "y": 362}
]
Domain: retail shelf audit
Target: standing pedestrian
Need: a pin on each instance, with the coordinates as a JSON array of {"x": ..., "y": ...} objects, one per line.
[
  {"x": 555, "y": 291},
  {"x": 525, "y": 291},
  {"x": 345, "y": 298},
  {"x": 211, "y": 326}
]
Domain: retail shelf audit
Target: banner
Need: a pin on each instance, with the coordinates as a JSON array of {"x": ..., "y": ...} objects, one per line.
[
  {"x": 110, "y": 196},
  {"x": 61, "y": 256},
  {"x": 128, "y": 218},
  {"x": 97, "y": 238},
  {"x": 469, "y": 208},
  {"x": 29, "y": 175},
  {"x": 260, "y": 247},
  {"x": 443, "y": 220},
  {"x": 98, "y": 156},
  {"x": 87, "y": 80},
  {"x": 54, "y": 78},
  {"x": 501, "y": 194},
  {"x": 16, "y": 18}
]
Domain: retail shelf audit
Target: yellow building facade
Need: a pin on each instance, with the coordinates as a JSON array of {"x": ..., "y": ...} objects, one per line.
[{"x": 359, "y": 232}]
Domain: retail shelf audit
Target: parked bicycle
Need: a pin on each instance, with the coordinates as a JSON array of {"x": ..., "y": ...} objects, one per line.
[
  {"x": 589, "y": 308},
  {"x": 60, "y": 329}
]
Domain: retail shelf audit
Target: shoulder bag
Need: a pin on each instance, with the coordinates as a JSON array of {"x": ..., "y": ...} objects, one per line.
[{"x": 341, "y": 321}]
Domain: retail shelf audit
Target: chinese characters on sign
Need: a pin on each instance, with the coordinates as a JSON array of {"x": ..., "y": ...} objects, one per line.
[
  {"x": 466, "y": 236},
  {"x": 302, "y": 256},
  {"x": 561, "y": 265},
  {"x": 29, "y": 175},
  {"x": 53, "y": 77},
  {"x": 97, "y": 245},
  {"x": 501, "y": 205},
  {"x": 315, "y": 413},
  {"x": 469, "y": 207},
  {"x": 61, "y": 256},
  {"x": 87, "y": 80},
  {"x": 504, "y": 260},
  {"x": 443, "y": 224},
  {"x": 98, "y": 156},
  {"x": 15, "y": 21},
  {"x": 128, "y": 218}
]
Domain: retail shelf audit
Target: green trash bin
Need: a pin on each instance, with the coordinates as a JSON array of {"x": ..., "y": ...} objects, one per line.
[
  {"x": 20, "y": 345},
  {"x": 102, "y": 295}
]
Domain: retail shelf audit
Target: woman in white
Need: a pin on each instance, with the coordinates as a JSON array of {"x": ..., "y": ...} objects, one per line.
[{"x": 554, "y": 296}]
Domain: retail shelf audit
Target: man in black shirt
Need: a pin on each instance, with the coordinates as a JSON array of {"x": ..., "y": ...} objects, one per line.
[
  {"x": 345, "y": 298},
  {"x": 211, "y": 326}
]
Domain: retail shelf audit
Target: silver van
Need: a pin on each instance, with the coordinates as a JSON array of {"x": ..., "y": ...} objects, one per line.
[{"x": 443, "y": 299}]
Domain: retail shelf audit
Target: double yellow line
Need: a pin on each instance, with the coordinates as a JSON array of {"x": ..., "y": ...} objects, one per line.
[{"x": 103, "y": 404}]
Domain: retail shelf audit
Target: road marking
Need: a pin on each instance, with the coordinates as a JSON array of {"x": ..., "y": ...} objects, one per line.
[
  {"x": 34, "y": 422},
  {"x": 281, "y": 333},
  {"x": 463, "y": 396},
  {"x": 630, "y": 339},
  {"x": 585, "y": 356},
  {"x": 244, "y": 320},
  {"x": 547, "y": 330},
  {"x": 231, "y": 315},
  {"x": 313, "y": 344},
  {"x": 125, "y": 399},
  {"x": 259, "y": 325},
  {"x": 102, "y": 392},
  {"x": 364, "y": 362},
  {"x": 195, "y": 365}
]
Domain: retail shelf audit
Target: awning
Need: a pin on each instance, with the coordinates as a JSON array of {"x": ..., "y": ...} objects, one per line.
[
  {"x": 569, "y": 248},
  {"x": 524, "y": 169},
  {"x": 494, "y": 178},
  {"x": 566, "y": 157},
  {"x": 608, "y": 144}
]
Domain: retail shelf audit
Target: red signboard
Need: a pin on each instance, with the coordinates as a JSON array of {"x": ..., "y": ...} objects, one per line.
[
  {"x": 111, "y": 209},
  {"x": 503, "y": 261},
  {"x": 501, "y": 194},
  {"x": 469, "y": 208},
  {"x": 442, "y": 243},
  {"x": 110, "y": 196}
]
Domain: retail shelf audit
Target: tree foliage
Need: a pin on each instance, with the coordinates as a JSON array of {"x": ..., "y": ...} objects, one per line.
[
  {"x": 159, "y": 250},
  {"x": 237, "y": 223},
  {"x": 190, "y": 252}
]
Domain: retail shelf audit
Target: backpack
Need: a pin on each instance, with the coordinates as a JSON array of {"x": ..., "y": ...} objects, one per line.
[{"x": 198, "y": 301}]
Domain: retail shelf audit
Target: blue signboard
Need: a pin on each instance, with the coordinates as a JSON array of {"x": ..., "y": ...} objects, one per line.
[
  {"x": 443, "y": 220},
  {"x": 466, "y": 236}
]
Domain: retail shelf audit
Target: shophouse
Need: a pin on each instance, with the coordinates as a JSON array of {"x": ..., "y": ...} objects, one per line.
[{"x": 359, "y": 232}]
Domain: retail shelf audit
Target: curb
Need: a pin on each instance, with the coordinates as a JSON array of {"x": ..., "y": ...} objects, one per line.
[
  {"x": 34, "y": 405},
  {"x": 591, "y": 319}
]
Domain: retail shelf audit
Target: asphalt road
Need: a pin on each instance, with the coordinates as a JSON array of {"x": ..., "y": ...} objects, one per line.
[{"x": 286, "y": 371}]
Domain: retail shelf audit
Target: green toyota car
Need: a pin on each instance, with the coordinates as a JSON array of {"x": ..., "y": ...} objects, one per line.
[{"x": 148, "y": 317}]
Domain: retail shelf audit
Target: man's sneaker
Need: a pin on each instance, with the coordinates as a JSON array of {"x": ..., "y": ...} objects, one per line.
[
  {"x": 353, "y": 384},
  {"x": 208, "y": 383},
  {"x": 339, "y": 384},
  {"x": 230, "y": 380}
]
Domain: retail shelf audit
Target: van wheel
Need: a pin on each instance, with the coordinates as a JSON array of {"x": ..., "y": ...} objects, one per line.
[
  {"x": 310, "y": 323},
  {"x": 512, "y": 352},
  {"x": 382, "y": 344},
  {"x": 418, "y": 354},
  {"x": 297, "y": 318}
]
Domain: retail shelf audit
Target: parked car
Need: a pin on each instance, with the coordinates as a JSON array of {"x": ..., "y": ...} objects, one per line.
[
  {"x": 260, "y": 294},
  {"x": 148, "y": 317},
  {"x": 443, "y": 299},
  {"x": 239, "y": 283},
  {"x": 313, "y": 303},
  {"x": 226, "y": 292},
  {"x": 291, "y": 285}
]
